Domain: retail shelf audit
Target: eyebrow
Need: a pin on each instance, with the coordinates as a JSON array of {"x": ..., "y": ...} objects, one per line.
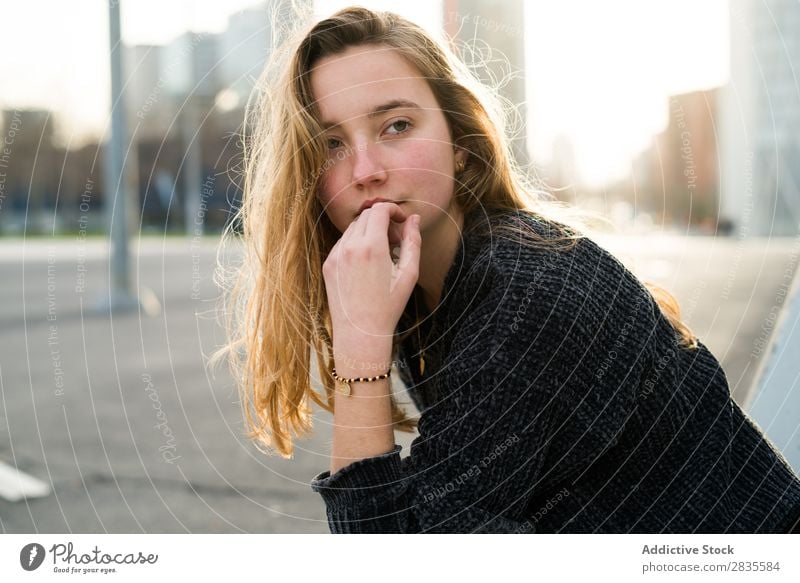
[{"x": 378, "y": 110}]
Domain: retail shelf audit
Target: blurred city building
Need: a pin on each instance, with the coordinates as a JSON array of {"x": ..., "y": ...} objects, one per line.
[
  {"x": 494, "y": 32},
  {"x": 38, "y": 177},
  {"x": 728, "y": 160},
  {"x": 185, "y": 106},
  {"x": 185, "y": 144},
  {"x": 760, "y": 133},
  {"x": 676, "y": 180}
]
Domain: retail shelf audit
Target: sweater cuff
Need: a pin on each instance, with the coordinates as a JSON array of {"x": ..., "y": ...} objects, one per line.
[{"x": 359, "y": 481}]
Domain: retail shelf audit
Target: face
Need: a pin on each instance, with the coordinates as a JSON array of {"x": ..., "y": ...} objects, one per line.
[{"x": 387, "y": 138}]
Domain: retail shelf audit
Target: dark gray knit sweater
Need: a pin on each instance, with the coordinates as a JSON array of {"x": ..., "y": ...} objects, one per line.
[{"x": 556, "y": 399}]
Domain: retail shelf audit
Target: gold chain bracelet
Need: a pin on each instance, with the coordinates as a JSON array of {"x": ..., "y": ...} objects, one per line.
[{"x": 343, "y": 385}]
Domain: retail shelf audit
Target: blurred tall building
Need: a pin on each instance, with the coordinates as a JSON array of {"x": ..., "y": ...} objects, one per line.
[
  {"x": 44, "y": 187},
  {"x": 145, "y": 87},
  {"x": 29, "y": 170},
  {"x": 186, "y": 106},
  {"x": 760, "y": 162},
  {"x": 243, "y": 50},
  {"x": 677, "y": 179},
  {"x": 495, "y": 29},
  {"x": 193, "y": 60}
]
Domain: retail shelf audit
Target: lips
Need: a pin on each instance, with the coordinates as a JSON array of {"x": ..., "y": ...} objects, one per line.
[{"x": 368, "y": 203}]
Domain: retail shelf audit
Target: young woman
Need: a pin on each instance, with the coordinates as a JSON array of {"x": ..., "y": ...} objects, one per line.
[{"x": 385, "y": 227}]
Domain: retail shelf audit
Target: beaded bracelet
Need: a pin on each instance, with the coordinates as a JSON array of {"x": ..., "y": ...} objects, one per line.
[{"x": 343, "y": 385}]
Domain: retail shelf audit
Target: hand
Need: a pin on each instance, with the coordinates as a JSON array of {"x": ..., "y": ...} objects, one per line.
[{"x": 366, "y": 291}]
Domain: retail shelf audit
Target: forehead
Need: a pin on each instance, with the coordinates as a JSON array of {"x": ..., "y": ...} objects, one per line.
[{"x": 352, "y": 83}]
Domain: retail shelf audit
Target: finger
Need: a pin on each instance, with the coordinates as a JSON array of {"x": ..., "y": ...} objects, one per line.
[
  {"x": 353, "y": 229},
  {"x": 396, "y": 233},
  {"x": 384, "y": 213},
  {"x": 362, "y": 221},
  {"x": 408, "y": 264}
]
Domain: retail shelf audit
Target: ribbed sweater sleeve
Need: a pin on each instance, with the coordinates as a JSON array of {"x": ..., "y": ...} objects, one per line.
[{"x": 522, "y": 367}]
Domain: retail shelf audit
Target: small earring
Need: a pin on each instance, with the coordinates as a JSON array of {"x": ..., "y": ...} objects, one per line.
[{"x": 460, "y": 167}]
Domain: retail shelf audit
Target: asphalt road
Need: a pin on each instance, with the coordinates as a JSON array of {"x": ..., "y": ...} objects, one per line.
[{"x": 135, "y": 434}]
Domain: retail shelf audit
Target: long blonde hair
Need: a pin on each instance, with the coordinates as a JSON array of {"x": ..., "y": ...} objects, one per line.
[{"x": 276, "y": 307}]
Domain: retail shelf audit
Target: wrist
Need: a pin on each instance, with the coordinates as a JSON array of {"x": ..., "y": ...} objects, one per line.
[
  {"x": 344, "y": 385},
  {"x": 361, "y": 356},
  {"x": 351, "y": 365}
]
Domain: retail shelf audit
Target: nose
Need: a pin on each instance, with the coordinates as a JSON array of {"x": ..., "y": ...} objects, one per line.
[{"x": 368, "y": 168}]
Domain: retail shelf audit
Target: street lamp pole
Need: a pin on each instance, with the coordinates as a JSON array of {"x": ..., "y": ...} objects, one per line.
[{"x": 120, "y": 294}]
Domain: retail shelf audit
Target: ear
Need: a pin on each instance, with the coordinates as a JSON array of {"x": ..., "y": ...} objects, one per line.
[{"x": 460, "y": 155}]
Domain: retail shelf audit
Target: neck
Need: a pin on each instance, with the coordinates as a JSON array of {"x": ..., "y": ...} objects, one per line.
[{"x": 440, "y": 242}]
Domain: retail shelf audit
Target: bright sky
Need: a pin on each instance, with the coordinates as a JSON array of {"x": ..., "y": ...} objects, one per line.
[{"x": 599, "y": 72}]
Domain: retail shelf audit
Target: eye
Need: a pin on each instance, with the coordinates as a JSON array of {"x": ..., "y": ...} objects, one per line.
[
  {"x": 400, "y": 126},
  {"x": 333, "y": 143}
]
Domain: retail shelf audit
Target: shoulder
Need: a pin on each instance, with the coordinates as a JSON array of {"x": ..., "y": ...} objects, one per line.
[
  {"x": 565, "y": 323},
  {"x": 530, "y": 268}
]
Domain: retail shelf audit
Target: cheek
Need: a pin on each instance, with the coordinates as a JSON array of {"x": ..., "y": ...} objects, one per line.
[
  {"x": 329, "y": 185},
  {"x": 322, "y": 191},
  {"x": 431, "y": 166},
  {"x": 430, "y": 157},
  {"x": 332, "y": 204}
]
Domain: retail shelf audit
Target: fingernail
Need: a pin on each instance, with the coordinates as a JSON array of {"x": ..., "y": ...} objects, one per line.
[{"x": 416, "y": 220}]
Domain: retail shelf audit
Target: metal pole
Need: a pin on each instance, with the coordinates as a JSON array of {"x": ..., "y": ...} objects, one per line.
[
  {"x": 120, "y": 294},
  {"x": 193, "y": 167}
]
